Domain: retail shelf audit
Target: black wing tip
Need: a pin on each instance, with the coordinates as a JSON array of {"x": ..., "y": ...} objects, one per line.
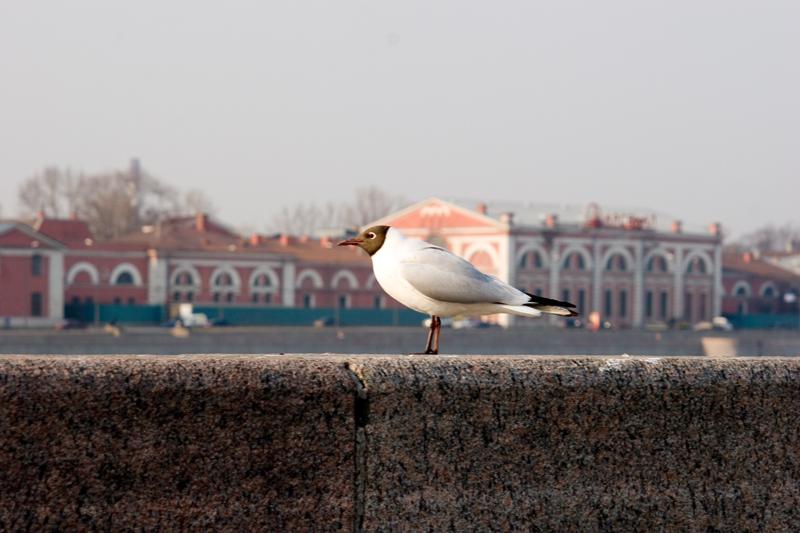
[{"x": 541, "y": 300}]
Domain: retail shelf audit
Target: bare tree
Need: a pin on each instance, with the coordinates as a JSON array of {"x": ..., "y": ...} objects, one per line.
[
  {"x": 196, "y": 201},
  {"x": 52, "y": 192},
  {"x": 369, "y": 204},
  {"x": 772, "y": 238},
  {"x": 112, "y": 203}
]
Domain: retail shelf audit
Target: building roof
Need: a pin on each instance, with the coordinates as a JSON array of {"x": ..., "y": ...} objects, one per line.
[
  {"x": 203, "y": 234},
  {"x": 69, "y": 231},
  {"x": 29, "y": 236},
  {"x": 577, "y": 215},
  {"x": 750, "y": 264}
]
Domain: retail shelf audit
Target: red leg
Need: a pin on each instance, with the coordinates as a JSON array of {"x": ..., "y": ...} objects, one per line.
[{"x": 436, "y": 327}]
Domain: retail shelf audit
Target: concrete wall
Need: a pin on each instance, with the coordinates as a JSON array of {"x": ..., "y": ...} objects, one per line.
[{"x": 399, "y": 443}]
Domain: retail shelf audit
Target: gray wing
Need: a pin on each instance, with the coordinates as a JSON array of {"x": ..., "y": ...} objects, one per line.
[{"x": 440, "y": 275}]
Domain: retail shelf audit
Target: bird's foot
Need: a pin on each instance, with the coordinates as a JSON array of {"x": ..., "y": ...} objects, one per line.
[{"x": 426, "y": 352}]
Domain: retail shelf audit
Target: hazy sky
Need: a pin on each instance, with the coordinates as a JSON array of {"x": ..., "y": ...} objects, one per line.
[{"x": 687, "y": 107}]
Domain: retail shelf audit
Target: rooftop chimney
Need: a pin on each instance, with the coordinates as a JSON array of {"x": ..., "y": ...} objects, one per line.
[
  {"x": 325, "y": 242},
  {"x": 201, "y": 222},
  {"x": 481, "y": 208},
  {"x": 747, "y": 257},
  {"x": 507, "y": 218},
  {"x": 256, "y": 239},
  {"x": 304, "y": 238},
  {"x": 715, "y": 229},
  {"x": 551, "y": 221},
  {"x": 136, "y": 168},
  {"x": 677, "y": 226},
  {"x": 284, "y": 240}
]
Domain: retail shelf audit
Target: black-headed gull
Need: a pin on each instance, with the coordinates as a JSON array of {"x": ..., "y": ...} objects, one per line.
[{"x": 431, "y": 280}]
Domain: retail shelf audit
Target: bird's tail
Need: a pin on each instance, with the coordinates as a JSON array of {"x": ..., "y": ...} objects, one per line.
[{"x": 550, "y": 307}]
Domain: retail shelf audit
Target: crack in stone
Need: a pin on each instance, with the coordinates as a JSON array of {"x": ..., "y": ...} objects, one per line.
[{"x": 361, "y": 418}]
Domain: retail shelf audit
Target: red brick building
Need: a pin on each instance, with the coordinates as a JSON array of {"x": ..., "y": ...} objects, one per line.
[
  {"x": 625, "y": 268},
  {"x": 755, "y": 286},
  {"x": 31, "y": 276}
]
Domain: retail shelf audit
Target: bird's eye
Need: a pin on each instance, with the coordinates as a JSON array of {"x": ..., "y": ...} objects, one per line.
[{"x": 370, "y": 235}]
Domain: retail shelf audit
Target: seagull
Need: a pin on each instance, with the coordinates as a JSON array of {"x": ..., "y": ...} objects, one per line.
[{"x": 431, "y": 280}]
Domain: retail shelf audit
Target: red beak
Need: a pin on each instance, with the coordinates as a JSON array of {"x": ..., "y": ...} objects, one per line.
[{"x": 350, "y": 242}]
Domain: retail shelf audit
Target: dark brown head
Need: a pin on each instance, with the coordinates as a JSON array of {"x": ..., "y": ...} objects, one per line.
[{"x": 370, "y": 240}]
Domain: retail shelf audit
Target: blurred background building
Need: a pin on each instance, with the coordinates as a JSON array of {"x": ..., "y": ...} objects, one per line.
[{"x": 630, "y": 269}]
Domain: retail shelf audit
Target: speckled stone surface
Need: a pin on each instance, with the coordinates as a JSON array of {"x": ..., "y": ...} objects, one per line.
[
  {"x": 536, "y": 444},
  {"x": 175, "y": 443}
]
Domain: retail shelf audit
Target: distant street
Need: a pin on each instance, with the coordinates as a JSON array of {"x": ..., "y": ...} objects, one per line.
[{"x": 516, "y": 341}]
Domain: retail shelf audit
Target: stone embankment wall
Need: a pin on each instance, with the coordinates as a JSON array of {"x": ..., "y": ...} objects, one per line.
[{"x": 399, "y": 443}]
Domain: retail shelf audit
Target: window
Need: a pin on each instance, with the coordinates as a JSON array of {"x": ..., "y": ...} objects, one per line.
[
  {"x": 254, "y": 298},
  {"x": 623, "y": 303},
  {"x": 189, "y": 296},
  {"x": 741, "y": 291},
  {"x": 768, "y": 292},
  {"x": 262, "y": 281},
  {"x": 657, "y": 264},
  {"x": 531, "y": 261},
  {"x": 663, "y": 304},
  {"x": 377, "y": 302},
  {"x": 117, "y": 300},
  {"x": 538, "y": 291},
  {"x": 75, "y": 300},
  {"x": 223, "y": 279},
  {"x": 687, "y": 307},
  {"x": 176, "y": 296},
  {"x": 581, "y": 300},
  {"x": 609, "y": 303},
  {"x": 616, "y": 263},
  {"x": 308, "y": 301},
  {"x": 131, "y": 301},
  {"x": 268, "y": 298},
  {"x": 648, "y": 304},
  {"x": 343, "y": 301},
  {"x": 184, "y": 279},
  {"x": 36, "y": 265},
  {"x": 229, "y": 297},
  {"x": 702, "y": 307},
  {"x": 216, "y": 297},
  {"x": 36, "y": 304},
  {"x": 574, "y": 261},
  {"x": 565, "y": 295},
  {"x": 696, "y": 266},
  {"x": 124, "y": 278}
]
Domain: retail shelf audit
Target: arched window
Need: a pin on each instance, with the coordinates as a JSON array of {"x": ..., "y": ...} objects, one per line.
[
  {"x": 574, "y": 261},
  {"x": 184, "y": 279},
  {"x": 616, "y": 263},
  {"x": 768, "y": 291},
  {"x": 741, "y": 291},
  {"x": 223, "y": 279},
  {"x": 657, "y": 264},
  {"x": 262, "y": 280},
  {"x": 124, "y": 278},
  {"x": 696, "y": 266},
  {"x": 531, "y": 261}
]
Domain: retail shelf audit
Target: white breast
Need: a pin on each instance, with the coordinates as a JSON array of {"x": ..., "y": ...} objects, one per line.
[{"x": 385, "y": 266}]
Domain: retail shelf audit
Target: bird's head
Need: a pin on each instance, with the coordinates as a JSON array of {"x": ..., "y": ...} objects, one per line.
[{"x": 370, "y": 240}]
